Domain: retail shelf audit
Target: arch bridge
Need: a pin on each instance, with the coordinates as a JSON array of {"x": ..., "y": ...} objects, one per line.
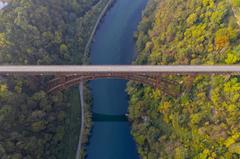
[{"x": 153, "y": 75}]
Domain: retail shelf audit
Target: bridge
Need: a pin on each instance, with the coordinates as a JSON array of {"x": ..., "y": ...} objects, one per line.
[{"x": 70, "y": 75}]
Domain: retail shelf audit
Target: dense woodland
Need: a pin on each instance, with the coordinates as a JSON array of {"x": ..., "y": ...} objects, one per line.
[
  {"x": 203, "y": 122},
  {"x": 33, "y": 124}
]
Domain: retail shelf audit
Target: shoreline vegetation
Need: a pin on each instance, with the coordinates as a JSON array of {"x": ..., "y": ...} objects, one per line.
[
  {"x": 88, "y": 103},
  {"x": 33, "y": 124},
  {"x": 203, "y": 122},
  {"x": 98, "y": 22}
]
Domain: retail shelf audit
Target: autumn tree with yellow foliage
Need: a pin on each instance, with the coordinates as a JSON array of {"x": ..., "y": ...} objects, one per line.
[{"x": 203, "y": 121}]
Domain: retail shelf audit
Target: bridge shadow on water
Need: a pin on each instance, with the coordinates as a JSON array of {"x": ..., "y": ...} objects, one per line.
[{"x": 109, "y": 118}]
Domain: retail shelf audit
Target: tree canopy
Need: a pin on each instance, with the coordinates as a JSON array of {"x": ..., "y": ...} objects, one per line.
[
  {"x": 33, "y": 124},
  {"x": 203, "y": 121}
]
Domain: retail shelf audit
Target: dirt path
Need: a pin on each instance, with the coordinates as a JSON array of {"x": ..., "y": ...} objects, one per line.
[
  {"x": 96, "y": 26},
  {"x": 79, "y": 149},
  {"x": 78, "y": 154}
]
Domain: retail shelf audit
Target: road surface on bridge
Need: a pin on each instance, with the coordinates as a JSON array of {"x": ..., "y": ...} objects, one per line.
[{"x": 80, "y": 69}]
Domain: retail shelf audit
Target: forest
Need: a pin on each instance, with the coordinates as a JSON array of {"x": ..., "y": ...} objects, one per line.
[
  {"x": 34, "y": 124},
  {"x": 203, "y": 121}
]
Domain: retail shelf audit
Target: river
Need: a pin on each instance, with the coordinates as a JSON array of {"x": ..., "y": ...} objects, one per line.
[{"x": 114, "y": 44}]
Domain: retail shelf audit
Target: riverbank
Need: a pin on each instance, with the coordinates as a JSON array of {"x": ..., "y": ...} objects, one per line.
[
  {"x": 187, "y": 126},
  {"x": 74, "y": 117},
  {"x": 49, "y": 123},
  {"x": 98, "y": 22},
  {"x": 81, "y": 96},
  {"x": 86, "y": 116},
  {"x": 113, "y": 44}
]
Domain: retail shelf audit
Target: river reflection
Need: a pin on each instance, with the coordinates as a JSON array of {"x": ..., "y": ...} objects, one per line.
[{"x": 114, "y": 44}]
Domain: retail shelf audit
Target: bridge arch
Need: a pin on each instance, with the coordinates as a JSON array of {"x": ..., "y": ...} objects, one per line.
[{"x": 64, "y": 82}]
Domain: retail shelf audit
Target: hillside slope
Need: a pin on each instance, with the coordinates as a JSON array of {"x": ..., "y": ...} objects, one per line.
[
  {"x": 34, "y": 124},
  {"x": 203, "y": 122}
]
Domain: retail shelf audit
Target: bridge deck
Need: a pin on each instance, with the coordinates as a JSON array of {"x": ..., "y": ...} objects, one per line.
[{"x": 72, "y": 69}]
